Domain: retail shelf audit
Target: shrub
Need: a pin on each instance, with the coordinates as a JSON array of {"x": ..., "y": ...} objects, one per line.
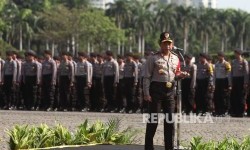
[{"x": 26, "y": 137}]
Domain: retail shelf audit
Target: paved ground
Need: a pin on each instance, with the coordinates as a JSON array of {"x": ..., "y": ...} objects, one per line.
[{"x": 222, "y": 127}]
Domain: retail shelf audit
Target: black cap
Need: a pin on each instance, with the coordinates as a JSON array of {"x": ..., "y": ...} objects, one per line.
[
  {"x": 109, "y": 53},
  {"x": 56, "y": 58},
  {"x": 221, "y": 54},
  {"x": 64, "y": 53},
  {"x": 14, "y": 52},
  {"x": 47, "y": 52},
  {"x": 30, "y": 53},
  {"x": 165, "y": 37},
  {"x": 129, "y": 54},
  {"x": 120, "y": 57},
  {"x": 238, "y": 51},
  {"x": 136, "y": 57},
  {"x": 9, "y": 53},
  {"x": 209, "y": 57},
  {"x": 82, "y": 54},
  {"x": 189, "y": 56},
  {"x": 93, "y": 54},
  {"x": 99, "y": 55},
  {"x": 70, "y": 54},
  {"x": 203, "y": 55}
]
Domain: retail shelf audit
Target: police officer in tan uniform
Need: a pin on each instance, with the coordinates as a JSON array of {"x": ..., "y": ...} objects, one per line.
[
  {"x": 204, "y": 84},
  {"x": 239, "y": 79},
  {"x": 158, "y": 85},
  {"x": 188, "y": 84},
  {"x": 222, "y": 76},
  {"x": 110, "y": 80},
  {"x": 66, "y": 79}
]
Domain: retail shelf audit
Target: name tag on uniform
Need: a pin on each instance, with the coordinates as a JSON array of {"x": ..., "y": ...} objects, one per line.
[{"x": 168, "y": 84}]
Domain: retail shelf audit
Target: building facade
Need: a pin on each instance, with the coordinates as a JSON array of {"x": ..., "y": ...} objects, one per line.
[
  {"x": 192, "y": 3},
  {"x": 101, "y": 3}
]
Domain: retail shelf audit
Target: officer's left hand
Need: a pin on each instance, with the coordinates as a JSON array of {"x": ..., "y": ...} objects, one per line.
[
  {"x": 211, "y": 88},
  {"x": 89, "y": 85},
  {"x": 135, "y": 84},
  {"x": 115, "y": 84},
  {"x": 182, "y": 75},
  {"x": 245, "y": 86}
]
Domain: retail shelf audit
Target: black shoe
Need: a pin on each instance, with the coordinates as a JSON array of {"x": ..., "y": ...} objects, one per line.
[
  {"x": 20, "y": 107},
  {"x": 50, "y": 109},
  {"x": 73, "y": 109},
  {"x": 85, "y": 110},
  {"x": 123, "y": 110},
  {"x": 145, "y": 110},
  {"x": 138, "y": 111},
  {"x": 102, "y": 110},
  {"x": 37, "y": 108},
  {"x": 32, "y": 108},
  {"x": 130, "y": 111},
  {"x": 114, "y": 111},
  {"x": 12, "y": 108},
  {"x": 5, "y": 107}
]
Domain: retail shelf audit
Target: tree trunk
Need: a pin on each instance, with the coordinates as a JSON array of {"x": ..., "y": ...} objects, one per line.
[
  {"x": 222, "y": 45},
  {"x": 1, "y": 35},
  {"x": 241, "y": 42},
  {"x": 73, "y": 46},
  {"x": 109, "y": 47},
  {"x": 68, "y": 48},
  {"x": 119, "y": 42},
  {"x": 47, "y": 44},
  {"x": 139, "y": 42},
  {"x": 245, "y": 43},
  {"x": 119, "y": 46},
  {"x": 123, "y": 48},
  {"x": 53, "y": 48},
  {"x": 92, "y": 47},
  {"x": 206, "y": 42},
  {"x": 185, "y": 37},
  {"x": 203, "y": 46},
  {"x": 88, "y": 48},
  {"x": 241, "y": 37},
  {"x": 21, "y": 39},
  {"x": 142, "y": 44},
  {"x": 29, "y": 43}
]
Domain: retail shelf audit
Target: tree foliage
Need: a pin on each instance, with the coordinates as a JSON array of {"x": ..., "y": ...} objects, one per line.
[{"x": 126, "y": 24}]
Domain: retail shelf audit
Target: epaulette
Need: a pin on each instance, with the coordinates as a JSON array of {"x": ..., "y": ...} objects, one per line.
[
  {"x": 156, "y": 53},
  {"x": 174, "y": 53}
]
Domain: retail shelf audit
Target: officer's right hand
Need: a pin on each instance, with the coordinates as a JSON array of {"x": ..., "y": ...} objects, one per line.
[
  {"x": 147, "y": 98},
  {"x": 71, "y": 84},
  {"x": 229, "y": 88}
]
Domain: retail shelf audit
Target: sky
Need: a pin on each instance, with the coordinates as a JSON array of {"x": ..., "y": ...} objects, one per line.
[{"x": 236, "y": 4}]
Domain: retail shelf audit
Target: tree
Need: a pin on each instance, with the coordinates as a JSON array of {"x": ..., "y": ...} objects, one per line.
[
  {"x": 224, "y": 21},
  {"x": 240, "y": 20},
  {"x": 143, "y": 21},
  {"x": 166, "y": 17},
  {"x": 186, "y": 17},
  {"x": 206, "y": 26},
  {"x": 17, "y": 20},
  {"x": 121, "y": 11},
  {"x": 99, "y": 30}
]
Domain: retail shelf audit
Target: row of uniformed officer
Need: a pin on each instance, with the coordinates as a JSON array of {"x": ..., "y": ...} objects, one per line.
[{"x": 219, "y": 88}]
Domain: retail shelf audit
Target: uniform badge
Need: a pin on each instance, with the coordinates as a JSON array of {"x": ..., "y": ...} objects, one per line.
[
  {"x": 168, "y": 84},
  {"x": 161, "y": 71}
]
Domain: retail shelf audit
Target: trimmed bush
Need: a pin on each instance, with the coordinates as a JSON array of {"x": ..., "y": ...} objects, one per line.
[{"x": 26, "y": 137}]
